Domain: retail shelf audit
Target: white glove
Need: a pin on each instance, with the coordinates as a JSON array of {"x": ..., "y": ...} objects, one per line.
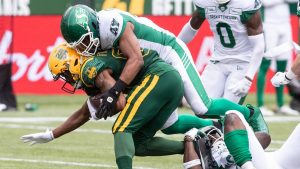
[
  {"x": 279, "y": 79},
  {"x": 241, "y": 88},
  {"x": 192, "y": 133},
  {"x": 38, "y": 138}
]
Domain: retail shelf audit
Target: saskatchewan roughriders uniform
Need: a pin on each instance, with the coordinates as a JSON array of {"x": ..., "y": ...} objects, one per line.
[
  {"x": 153, "y": 95},
  {"x": 232, "y": 49},
  {"x": 170, "y": 49}
]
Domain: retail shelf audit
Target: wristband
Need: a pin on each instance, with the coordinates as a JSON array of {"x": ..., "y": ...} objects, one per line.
[
  {"x": 119, "y": 86},
  {"x": 290, "y": 75}
]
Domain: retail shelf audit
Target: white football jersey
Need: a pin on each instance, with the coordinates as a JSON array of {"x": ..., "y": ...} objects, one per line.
[
  {"x": 276, "y": 12},
  {"x": 227, "y": 24},
  {"x": 112, "y": 24}
]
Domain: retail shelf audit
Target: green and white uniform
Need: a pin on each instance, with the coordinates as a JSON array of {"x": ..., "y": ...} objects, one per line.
[
  {"x": 172, "y": 50},
  {"x": 232, "y": 50},
  {"x": 276, "y": 22},
  {"x": 153, "y": 95}
]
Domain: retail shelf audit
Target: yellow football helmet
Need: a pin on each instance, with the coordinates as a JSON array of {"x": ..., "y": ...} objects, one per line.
[{"x": 65, "y": 63}]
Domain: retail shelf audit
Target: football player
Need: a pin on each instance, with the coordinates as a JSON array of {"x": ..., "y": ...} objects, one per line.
[
  {"x": 276, "y": 14},
  {"x": 152, "y": 98},
  {"x": 286, "y": 157},
  {"x": 89, "y": 32},
  {"x": 282, "y": 78},
  {"x": 238, "y": 45}
]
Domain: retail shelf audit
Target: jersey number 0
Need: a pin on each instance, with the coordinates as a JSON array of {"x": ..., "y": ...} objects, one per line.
[{"x": 230, "y": 43}]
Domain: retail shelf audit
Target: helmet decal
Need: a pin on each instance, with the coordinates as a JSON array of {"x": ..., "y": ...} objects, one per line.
[
  {"x": 82, "y": 18},
  {"x": 61, "y": 54}
]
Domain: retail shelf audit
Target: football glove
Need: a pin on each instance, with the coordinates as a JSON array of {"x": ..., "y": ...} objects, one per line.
[
  {"x": 280, "y": 78},
  {"x": 38, "y": 138},
  {"x": 109, "y": 99},
  {"x": 241, "y": 88}
]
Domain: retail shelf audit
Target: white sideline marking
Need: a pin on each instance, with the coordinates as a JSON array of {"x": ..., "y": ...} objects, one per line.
[
  {"x": 112, "y": 119},
  {"x": 64, "y": 163},
  {"x": 18, "y": 126},
  {"x": 44, "y": 119}
]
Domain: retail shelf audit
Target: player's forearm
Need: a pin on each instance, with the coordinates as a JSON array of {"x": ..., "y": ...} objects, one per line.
[
  {"x": 257, "y": 43},
  {"x": 76, "y": 120},
  {"x": 187, "y": 33},
  {"x": 131, "y": 69},
  {"x": 130, "y": 48}
]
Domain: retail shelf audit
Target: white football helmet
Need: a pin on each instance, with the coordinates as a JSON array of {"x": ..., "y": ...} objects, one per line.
[{"x": 222, "y": 1}]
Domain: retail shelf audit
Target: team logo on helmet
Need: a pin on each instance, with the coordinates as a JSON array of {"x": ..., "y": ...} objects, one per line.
[
  {"x": 61, "y": 54},
  {"x": 82, "y": 18}
]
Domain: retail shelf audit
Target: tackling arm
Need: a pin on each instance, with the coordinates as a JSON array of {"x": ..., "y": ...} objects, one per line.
[
  {"x": 190, "y": 29},
  {"x": 130, "y": 47}
]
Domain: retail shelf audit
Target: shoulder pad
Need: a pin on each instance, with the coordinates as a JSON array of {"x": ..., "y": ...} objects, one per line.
[{"x": 111, "y": 27}]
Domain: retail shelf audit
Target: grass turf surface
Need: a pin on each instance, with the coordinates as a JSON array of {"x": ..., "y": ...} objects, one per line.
[{"x": 89, "y": 147}]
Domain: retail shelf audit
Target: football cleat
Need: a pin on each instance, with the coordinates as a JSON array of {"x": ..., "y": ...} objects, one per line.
[{"x": 256, "y": 120}]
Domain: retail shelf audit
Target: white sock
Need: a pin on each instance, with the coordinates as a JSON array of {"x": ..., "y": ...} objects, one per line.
[{"x": 248, "y": 165}]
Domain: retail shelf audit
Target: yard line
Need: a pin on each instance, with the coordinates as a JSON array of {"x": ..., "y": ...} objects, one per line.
[
  {"x": 99, "y": 131},
  {"x": 20, "y": 126},
  {"x": 64, "y": 163}
]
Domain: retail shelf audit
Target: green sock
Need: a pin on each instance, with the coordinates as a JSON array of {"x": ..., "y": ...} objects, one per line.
[
  {"x": 220, "y": 106},
  {"x": 281, "y": 66},
  {"x": 238, "y": 145},
  {"x": 158, "y": 146},
  {"x": 186, "y": 122},
  {"x": 261, "y": 80},
  {"x": 124, "y": 150}
]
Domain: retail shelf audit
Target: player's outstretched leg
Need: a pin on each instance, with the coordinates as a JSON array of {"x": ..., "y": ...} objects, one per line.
[
  {"x": 186, "y": 122},
  {"x": 251, "y": 114}
]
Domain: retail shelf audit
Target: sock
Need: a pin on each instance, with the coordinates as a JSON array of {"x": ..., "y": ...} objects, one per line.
[
  {"x": 242, "y": 100},
  {"x": 158, "y": 146},
  {"x": 186, "y": 122},
  {"x": 220, "y": 106},
  {"x": 238, "y": 145},
  {"x": 281, "y": 66},
  {"x": 261, "y": 80},
  {"x": 124, "y": 150}
]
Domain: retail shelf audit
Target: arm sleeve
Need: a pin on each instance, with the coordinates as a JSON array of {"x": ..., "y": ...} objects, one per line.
[
  {"x": 187, "y": 33},
  {"x": 258, "y": 45}
]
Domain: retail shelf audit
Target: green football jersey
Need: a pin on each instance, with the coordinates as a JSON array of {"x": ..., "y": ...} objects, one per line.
[{"x": 113, "y": 59}]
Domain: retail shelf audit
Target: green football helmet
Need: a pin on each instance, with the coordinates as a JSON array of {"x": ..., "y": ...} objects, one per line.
[{"x": 80, "y": 28}]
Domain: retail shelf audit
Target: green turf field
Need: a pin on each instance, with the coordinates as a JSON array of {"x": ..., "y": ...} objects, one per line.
[{"x": 89, "y": 147}]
